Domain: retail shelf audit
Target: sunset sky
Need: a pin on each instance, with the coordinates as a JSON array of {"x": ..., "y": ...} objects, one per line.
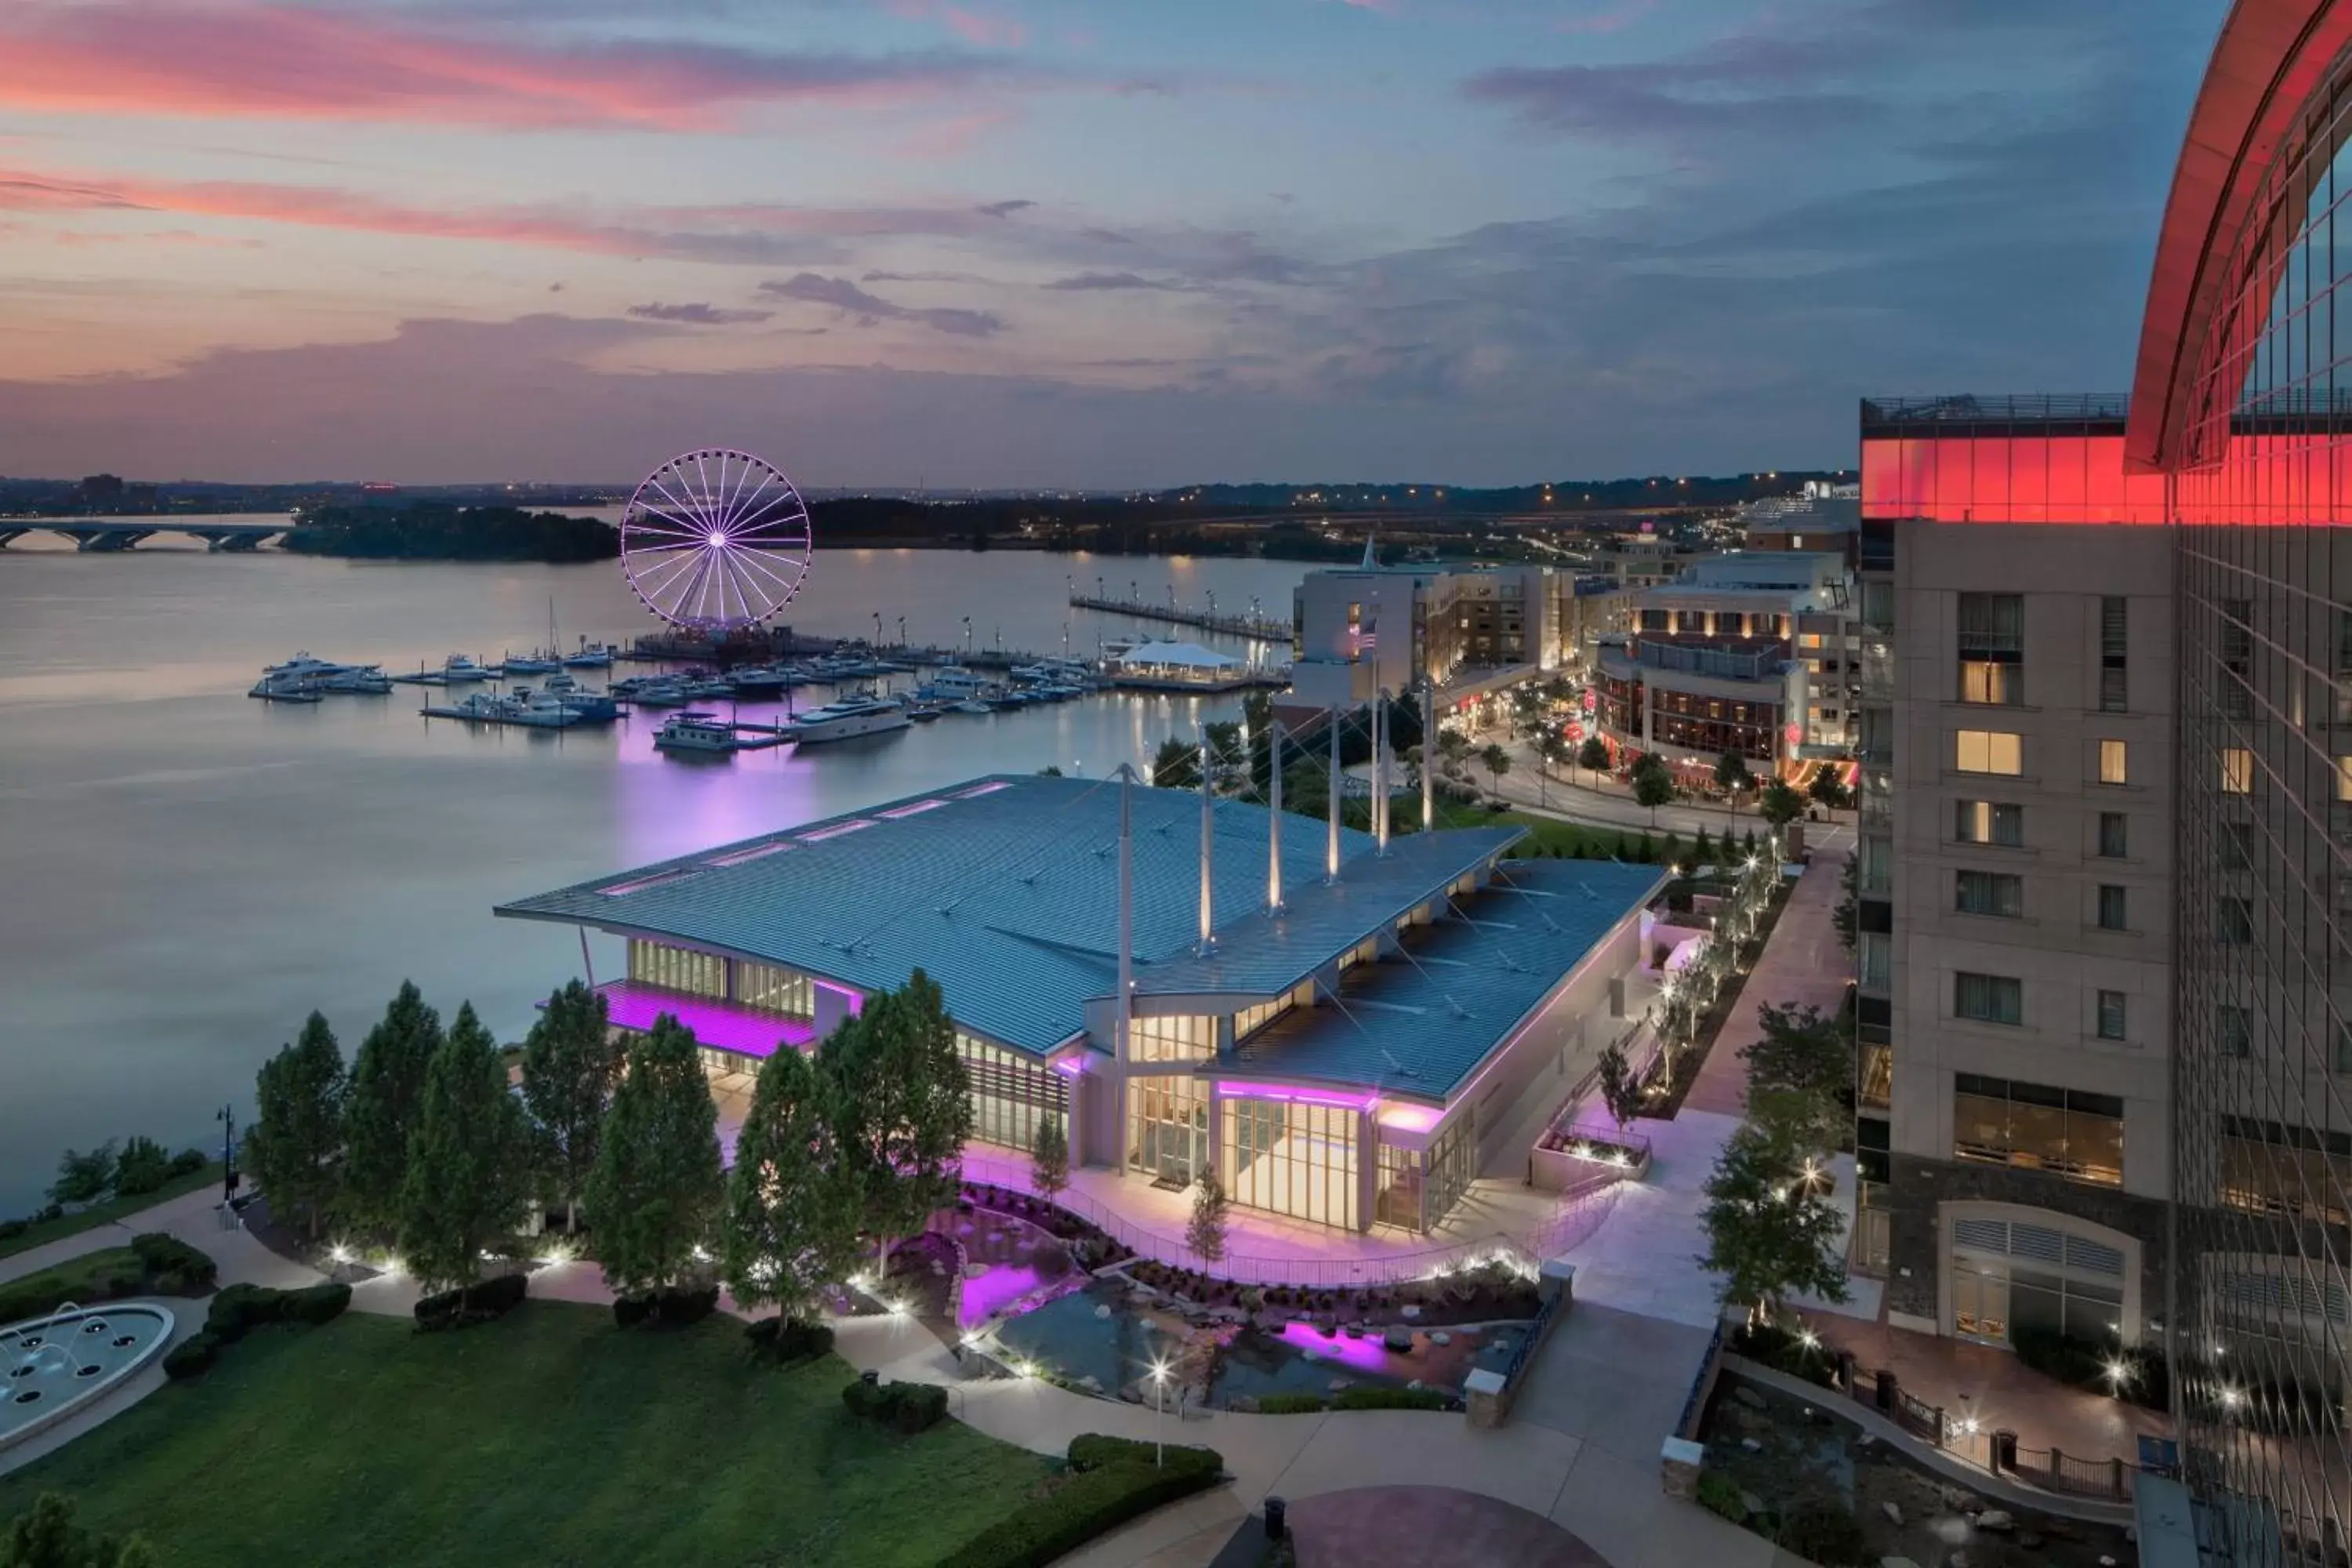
[{"x": 1041, "y": 242}]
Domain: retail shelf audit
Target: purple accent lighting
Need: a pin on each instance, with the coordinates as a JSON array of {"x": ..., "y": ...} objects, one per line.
[
  {"x": 1367, "y": 1355},
  {"x": 1302, "y": 1095},
  {"x": 854, "y": 1000},
  {"x": 719, "y": 1025},
  {"x": 988, "y": 1294}
]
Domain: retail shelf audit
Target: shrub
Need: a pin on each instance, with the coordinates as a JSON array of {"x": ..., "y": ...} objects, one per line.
[
  {"x": 1291, "y": 1404},
  {"x": 1719, "y": 1494},
  {"x": 478, "y": 1302},
  {"x": 11, "y": 1229},
  {"x": 316, "y": 1304},
  {"x": 911, "y": 1407},
  {"x": 188, "y": 1162},
  {"x": 1094, "y": 1451},
  {"x": 788, "y": 1340},
  {"x": 192, "y": 1357},
  {"x": 1778, "y": 1348},
  {"x": 1827, "y": 1534},
  {"x": 241, "y": 1309},
  {"x": 628, "y": 1312},
  {"x": 1372, "y": 1397},
  {"x": 2084, "y": 1365},
  {"x": 141, "y": 1168},
  {"x": 1086, "y": 1503},
  {"x": 173, "y": 1265}
]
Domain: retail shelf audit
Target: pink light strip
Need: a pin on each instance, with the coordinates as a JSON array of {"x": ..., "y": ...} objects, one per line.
[
  {"x": 1303, "y": 1096},
  {"x": 917, "y": 809},
  {"x": 835, "y": 831}
]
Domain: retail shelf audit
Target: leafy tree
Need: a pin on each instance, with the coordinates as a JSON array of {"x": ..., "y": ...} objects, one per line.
[
  {"x": 1731, "y": 777},
  {"x": 1176, "y": 763},
  {"x": 1703, "y": 851},
  {"x": 46, "y": 1535},
  {"x": 1846, "y": 917},
  {"x": 83, "y": 1176},
  {"x": 298, "y": 1125},
  {"x": 1769, "y": 1231},
  {"x": 1497, "y": 762},
  {"x": 1652, "y": 786},
  {"x": 656, "y": 1186},
  {"x": 1802, "y": 1050},
  {"x": 141, "y": 1167},
  {"x": 1593, "y": 754},
  {"x": 380, "y": 1110},
  {"x": 570, "y": 1062},
  {"x": 469, "y": 1178},
  {"x": 1050, "y": 771},
  {"x": 1453, "y": 745},
  {"x": 1204, "y": 1234},
  {"x": 1779, "y": 805},
  {"x": 906, "y": 1111},
  {"x": 792, "y": 1220},
  {"x": 1827, "y": 788},
  {"x": 1049, "y": 1158},
  {"x": 1618, "y": 1090}
]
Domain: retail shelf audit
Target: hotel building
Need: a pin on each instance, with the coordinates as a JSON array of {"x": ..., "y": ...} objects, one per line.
[
  {"x": 1347, "y": 1033},
  {"x": 1363, "y": 630}
]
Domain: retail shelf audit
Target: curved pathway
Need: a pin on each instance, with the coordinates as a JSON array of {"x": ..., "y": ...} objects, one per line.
[{"x": 1429, "y": 1527}]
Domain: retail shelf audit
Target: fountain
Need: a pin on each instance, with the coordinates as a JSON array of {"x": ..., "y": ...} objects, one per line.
[{"x": 54, "y": 1365}]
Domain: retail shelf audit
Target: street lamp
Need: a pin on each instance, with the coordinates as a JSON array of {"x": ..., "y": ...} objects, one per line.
[{"x": 1160, "y": 1413}]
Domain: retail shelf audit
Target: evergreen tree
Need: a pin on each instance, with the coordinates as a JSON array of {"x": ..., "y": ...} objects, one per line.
[
  {"x": 380, "y": 1107},
  {"x": 906, "y": 1106},
  {"x": 791, "y": 1221},
  {"x": 1049, "y": 1158},
  {"x": 46, "y": 1535},
  {"x": 1670, "y": 849},
  {"x": 570, "y": 1062},
  {"x": 1751, "y": 844},
  {"x": 1769, "y": 1231},
  {"x": 1177, "y": 764},
  {"x": 298, "y": 1125},
  {"x": 84, "y": 1175},
  {"x": 468, "y": 1177},
  {"x": 1703, "y": 851},
  {"x": 656, "y": 1188},
  {"x": 1204, "y": 1235}
]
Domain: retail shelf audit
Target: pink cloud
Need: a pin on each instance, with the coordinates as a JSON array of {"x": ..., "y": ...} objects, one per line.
[
  {"x": 980, "y": 29},
  {"x": 1614, "y": 20},
  {"x": 152, "y": 56}
]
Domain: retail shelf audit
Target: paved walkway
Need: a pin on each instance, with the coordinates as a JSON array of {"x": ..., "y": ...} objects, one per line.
[{"x": 1428, "y": 1527}]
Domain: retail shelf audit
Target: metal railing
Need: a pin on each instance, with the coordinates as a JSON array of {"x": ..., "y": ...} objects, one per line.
[
  {"x": 1579, "y": 1212},
  {"x": 1687, "y": 1423},
  {"x": 2062, "y": 1472}
]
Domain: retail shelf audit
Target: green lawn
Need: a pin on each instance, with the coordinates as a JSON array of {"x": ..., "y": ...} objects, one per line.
[
  {"x": 548, "y": 1438},
  {"x": 76, "y": 1279},
  {"x": 111, "y": 1210}
]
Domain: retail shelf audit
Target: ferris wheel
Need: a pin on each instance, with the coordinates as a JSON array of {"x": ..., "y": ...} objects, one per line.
[{"x": 716, "y": 541}]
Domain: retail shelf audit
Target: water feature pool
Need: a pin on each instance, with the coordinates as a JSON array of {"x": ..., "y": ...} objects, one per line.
[
  {"x": 1106, "y": 1338},
  {"x": 50, "y": 1366},
  {"x": 1008, "y": 1261}
]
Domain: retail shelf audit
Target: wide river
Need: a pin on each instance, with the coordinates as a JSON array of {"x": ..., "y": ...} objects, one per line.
[{"x": 184, "y": 873}]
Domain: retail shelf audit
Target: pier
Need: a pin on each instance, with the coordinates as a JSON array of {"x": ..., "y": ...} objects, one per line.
[{"x": 1257, "y": 628}]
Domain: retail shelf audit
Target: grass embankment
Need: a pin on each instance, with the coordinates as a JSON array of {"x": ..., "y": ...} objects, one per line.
[
  {"x": 109, "y": 1211},
  {"x": 82, "y": 1280},
  {"x": 548, "y": 1437}
]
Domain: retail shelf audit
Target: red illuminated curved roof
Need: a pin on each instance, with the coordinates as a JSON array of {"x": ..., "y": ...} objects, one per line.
[{"x": 2272, "y": 55}]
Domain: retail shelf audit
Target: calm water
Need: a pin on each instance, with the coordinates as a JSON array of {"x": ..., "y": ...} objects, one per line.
[{"x": 185, "y": 872}]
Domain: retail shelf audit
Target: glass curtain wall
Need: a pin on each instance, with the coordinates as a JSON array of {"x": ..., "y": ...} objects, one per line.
[
  {"x": 677, "y": 969},
  {"x": 1011, "y": 1094},
  {"x": 1292, "y": 1157},
  {"x": 2262, "y": 1100}
]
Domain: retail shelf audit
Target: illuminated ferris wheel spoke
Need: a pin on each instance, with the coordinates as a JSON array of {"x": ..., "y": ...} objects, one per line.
[
  {"x": 748, "y": 483},
  {"x": 755, "y": 569},
  {"x": 761, "y": 516},
  {"x": 666, "y": 575}
]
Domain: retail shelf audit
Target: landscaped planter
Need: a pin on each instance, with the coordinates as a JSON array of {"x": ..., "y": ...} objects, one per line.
[{"x": 1581, "y": 1156}]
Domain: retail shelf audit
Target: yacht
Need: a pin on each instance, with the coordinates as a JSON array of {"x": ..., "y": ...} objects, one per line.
[
  {"x": 457, "y": 670},
  {"x": 755, "y": 679},
  {"x": 366, "y": 680},
  {"x": 661, "y": 691},
  {"x": 920, "y": 713},
  {"x": 539, "y": 709},
  {"x": 304, "y": 666},
  {"x": 710, "y": 689},
  {"x": 593, "y": 706},
  {"x": 697, "y": 732},
  {"x": 591, "y": 656},
  {"x": 953, "y": 683},
  {"x": 539, "y": 663},
  {"x": 285, "y": 688},
  {"x": 848, "y": 718},
  {"x": 973, "y": 705}
]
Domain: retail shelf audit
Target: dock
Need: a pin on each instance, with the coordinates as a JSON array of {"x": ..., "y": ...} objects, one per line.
[{"x": 1256, "y": 628}]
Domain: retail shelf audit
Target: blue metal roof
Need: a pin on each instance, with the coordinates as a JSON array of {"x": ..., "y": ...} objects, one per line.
[
  {"x": 1422, "y": 1024},
  {"x": 1004, "y": 890}
]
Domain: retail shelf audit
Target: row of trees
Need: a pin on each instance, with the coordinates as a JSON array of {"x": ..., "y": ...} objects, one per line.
[
  {"x": 424, "y": 1145},
  {"x": 1772, "y": 1230}
]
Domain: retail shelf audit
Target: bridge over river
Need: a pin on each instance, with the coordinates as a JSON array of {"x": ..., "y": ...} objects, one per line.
[{"x": 112, "y": 534}]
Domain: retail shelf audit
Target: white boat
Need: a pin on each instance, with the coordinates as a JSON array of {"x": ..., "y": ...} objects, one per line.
[
  {"x": 366, "y": 680},
  {"x": 594, "y": 707},
  {"x": 973, "y": 705},
  {"x": 847, "y": 719},
  {"x": 285, "y": 688},
  {"x": 954, "y": 682},
  {"x": 538, "y": 710},
  {"x": 659, "y": 692},
  {"x": 539, "y": 663},
  {"x": 457, "y": 669},
  {"x": 305, "y": 666},
  {"x": 591, "y": 656}
]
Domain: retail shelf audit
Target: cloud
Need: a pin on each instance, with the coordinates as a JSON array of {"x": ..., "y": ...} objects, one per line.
[
  {"x": 697, "y": 314},
  {"x": 1006, "y": 209},
  {"x": 284, "y": 62},
  {"x": 868, "y": 308},
  {"x": 1105, "y": 282}
]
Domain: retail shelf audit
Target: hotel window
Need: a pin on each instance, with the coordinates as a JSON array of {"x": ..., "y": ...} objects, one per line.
[
  {"x": 2237, "y": 771},
  {"x": 2114, "y": 627},
  {"x": 2234, "y": 921},
  {"x": 2344, "y": 778},
  {"x": 2269, "y": 1167},
  {"x": 2237, "y": 845},
  {"x": 1011, "y": 1094},
  {"x": 1291, "y": 1157},
  {"x": 1988, "y": 893},
  {"x": 676, "y": 969},
  {"x": 1989, "y": 822},
  {"x": 2111, "y": 1014},
  {"x": 2113, "y": 908},
  {"x": 2115, "y": 834},
  {"x": 1989, "y": 998},
  {"x": 1989, "y": 751},
  {"x": 1992, "y": 647},
  {"x": 1186, "y": 1038},
  {"x": 774, "y": 990},
  {"x": 2114, "y": 762},
  {"x": 2237, "y": 1039},
  {"x": 2068, "y": 1131},
  {"x": 2237, "y": 658},
  {"x": 2344, "y": 1048},
  {"x": 1167, "y": 1129}
]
